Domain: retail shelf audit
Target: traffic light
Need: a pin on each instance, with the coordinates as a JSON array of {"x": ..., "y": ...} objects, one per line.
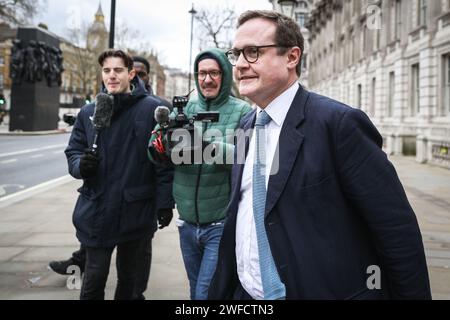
[
  {"x": 88, "y": 99},
  {"x": 2, "y": 100}
]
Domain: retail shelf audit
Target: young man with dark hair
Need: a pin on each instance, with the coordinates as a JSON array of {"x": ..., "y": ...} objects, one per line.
[
  {"x": 78, "y": 258},
  {"x": 122, "y": 193}
]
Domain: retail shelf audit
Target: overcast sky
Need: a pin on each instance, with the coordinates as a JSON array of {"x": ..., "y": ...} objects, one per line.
[{"x": 165, "y": 23}]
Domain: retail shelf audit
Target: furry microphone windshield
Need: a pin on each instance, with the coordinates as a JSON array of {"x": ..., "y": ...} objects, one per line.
[
  {"x": 103, "y": 111},
  {"x": 102, "y": 116},
  {"x": 162, "y": 114}
]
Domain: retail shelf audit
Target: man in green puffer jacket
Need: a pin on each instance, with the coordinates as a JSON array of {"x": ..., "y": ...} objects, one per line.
[{"x": 202, "y": 191}]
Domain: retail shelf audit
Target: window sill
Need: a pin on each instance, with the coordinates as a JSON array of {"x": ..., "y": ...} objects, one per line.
[
  {"x": 415, "y": 34},
  {"x": 444, "y": 20}
]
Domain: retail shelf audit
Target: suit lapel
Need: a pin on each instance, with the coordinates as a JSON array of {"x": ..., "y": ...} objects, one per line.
[
  {"x": 238, "y": 168},
  {"x": 289, "y": 143}
]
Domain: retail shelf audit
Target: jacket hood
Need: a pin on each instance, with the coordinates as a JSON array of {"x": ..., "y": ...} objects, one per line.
[{"x": 227, "y": 76}]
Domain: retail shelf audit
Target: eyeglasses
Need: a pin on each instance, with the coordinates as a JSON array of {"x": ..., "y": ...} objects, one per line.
[
  {"x": 214, "y": 74},
  {"x": 251, "y": 53}
]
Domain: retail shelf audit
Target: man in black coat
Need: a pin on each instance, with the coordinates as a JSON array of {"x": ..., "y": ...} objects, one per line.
[
  {"x": 123, "y": 193},
  {"x": 78, "y": 258}
]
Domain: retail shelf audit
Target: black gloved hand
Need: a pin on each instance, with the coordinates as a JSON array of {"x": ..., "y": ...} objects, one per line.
[
  {"x": 88, "y": 164},
  {"x": 164, "y": 217}
]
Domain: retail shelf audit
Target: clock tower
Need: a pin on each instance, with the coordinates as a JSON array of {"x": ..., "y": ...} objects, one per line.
[{"x": 97, "y": 39}]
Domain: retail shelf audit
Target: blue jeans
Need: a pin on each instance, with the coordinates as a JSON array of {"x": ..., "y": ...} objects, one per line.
[{"x": 200, "y": 247}]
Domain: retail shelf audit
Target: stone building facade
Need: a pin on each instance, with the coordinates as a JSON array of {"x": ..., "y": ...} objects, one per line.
[
  {"x": 390, "y": 58},
  {"x": 177, "y": 83},
  {"x": 300, "y": 13}
]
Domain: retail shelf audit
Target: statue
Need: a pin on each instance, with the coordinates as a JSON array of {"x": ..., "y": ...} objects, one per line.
[
  {"x": 17, "y": 62},
  {"x": 59, "y": 63},
  {"x": 31, "y": 67},
  {"x": 42, "y": 65},
  {"x": 36, "y": 62}
]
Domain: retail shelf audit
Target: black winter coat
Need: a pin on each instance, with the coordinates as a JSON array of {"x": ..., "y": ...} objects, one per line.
[{"x": 120, "y": 202}]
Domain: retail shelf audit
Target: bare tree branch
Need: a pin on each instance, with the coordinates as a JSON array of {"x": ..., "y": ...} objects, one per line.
[
  {"x": 126, "y": 37},
  {"x": 19, "y": 12},
  {"x": 215, "y": 24},
  {"x": 84, "y": 60}
]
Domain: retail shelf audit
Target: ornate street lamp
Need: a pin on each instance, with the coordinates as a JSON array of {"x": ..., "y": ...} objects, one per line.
[
  {"x": 192, "y": 12},
  {"x": 287, "y": 7}
]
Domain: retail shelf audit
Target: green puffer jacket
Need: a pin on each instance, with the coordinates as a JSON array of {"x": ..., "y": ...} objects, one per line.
[{"x": 202, "y": 191}]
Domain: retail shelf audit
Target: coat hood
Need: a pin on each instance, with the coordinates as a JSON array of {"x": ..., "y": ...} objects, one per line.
[{"x": 227, "y": 76}]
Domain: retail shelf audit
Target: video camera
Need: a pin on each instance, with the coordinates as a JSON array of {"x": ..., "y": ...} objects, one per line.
[
  {"x": 181, "y": 120},
  {"x": 171, "y": 123}
]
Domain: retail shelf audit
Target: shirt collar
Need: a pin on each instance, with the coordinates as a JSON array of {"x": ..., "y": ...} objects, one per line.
[{"x": 279, "y": 107}]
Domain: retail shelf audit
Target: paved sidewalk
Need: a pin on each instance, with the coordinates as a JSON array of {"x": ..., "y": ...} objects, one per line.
[{"x": 38, "y": 229}]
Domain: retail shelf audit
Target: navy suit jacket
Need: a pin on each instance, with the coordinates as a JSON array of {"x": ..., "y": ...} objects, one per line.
[{"x": 335, "y": 208}]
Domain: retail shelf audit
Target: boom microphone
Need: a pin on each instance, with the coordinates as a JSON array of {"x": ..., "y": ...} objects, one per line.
[
  {"x": 162, "y": 115},
  {"x": 103, "y": 113}
]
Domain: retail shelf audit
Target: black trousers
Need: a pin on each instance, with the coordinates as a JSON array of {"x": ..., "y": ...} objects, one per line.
[
  {"x": 79, "y": 257},
  {"x": 133, "y": 261}
]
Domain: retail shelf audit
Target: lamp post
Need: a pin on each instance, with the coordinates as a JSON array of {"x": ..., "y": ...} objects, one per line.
[
  {"x": 192, "y": 12},
  {"x": 112, "y": 25},
  {"x": 287, "y": 7}
]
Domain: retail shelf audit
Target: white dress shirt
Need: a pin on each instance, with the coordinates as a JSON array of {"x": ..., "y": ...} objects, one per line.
[{"x": 246, "y": 243}]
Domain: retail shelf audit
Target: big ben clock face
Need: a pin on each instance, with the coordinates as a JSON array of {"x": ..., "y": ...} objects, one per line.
[{"x": 95, "y": 41}]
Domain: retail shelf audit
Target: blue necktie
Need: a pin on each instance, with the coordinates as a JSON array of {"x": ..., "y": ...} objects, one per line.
[{"x": 271, "y": 282}]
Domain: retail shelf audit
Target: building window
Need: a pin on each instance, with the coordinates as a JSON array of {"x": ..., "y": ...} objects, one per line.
[
  {"x": 398, "y": 19},
  {"x": 393, "y": 24},
  {"x": 359, "y": 96},
  {"x": 421, "y": 12},
  {"x": 390, "y": 111},
  {"x": 304, "y": 62},
  {"x": 302, "y": 5},
  {"x": 362, "y": 53},
  {"x": 415, "y": 93},
  {"x": 373, "y": 97},
  {"x": 446, "y": 84},
  {"x": 376, "y": 40},
  {"x": 2, "y": 61},
  {"x": 1, "y": 81},
  {"x": 300, "y": 18}
]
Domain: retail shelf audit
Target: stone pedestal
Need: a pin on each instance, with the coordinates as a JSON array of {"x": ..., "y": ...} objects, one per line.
[{"x": 34, "y": 105}]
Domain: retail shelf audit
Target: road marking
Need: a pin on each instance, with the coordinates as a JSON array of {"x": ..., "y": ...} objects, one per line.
[
  {"x": 3, "y": 186},
  {"x": 8, "y": 161},
  {"x": 3, "y": 155},
  {"x": 21, "y": 195},
  {"x": 37, "y": 156},
  {"x": 58, "y": 152}
]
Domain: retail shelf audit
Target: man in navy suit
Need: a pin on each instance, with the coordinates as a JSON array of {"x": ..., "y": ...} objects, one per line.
[{"x": 335, "y": 218}]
